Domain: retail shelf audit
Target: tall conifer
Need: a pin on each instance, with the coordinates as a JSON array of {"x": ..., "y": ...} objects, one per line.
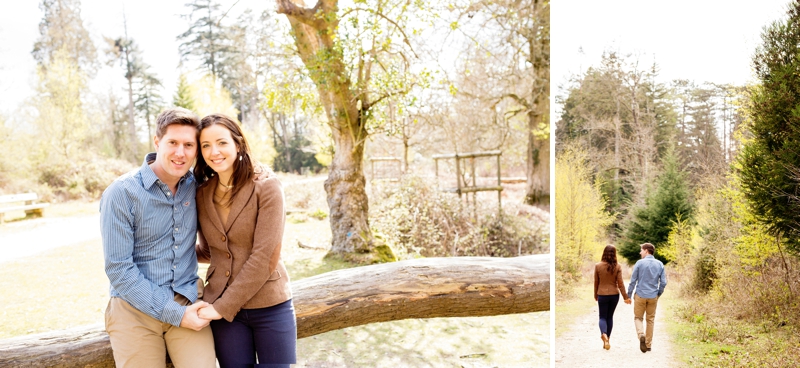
[
  {"x": 770, "y": 159},
  {"x": 669, "y": 199}
]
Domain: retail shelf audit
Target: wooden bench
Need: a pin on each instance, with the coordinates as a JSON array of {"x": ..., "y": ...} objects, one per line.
[{"x": 21, "y": 202}]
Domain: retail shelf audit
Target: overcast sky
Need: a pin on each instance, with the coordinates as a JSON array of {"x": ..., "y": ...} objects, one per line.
[
  {"x": 153, "y": 24},
  {"x": 706, "y": 40}
]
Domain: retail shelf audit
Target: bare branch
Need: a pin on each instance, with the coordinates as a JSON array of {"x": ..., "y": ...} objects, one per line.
[
  {"x": 302, "y": 14},
  {"x": 405, "y": 37}
]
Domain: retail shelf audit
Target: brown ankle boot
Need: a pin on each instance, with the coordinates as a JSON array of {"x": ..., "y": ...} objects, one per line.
[{"x": 606, "y": 345}]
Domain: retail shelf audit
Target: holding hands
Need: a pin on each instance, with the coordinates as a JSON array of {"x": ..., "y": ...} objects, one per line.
[
  {"x": 208, "y": 312},
  {"x": 627, "y": 301},
  {"x": 199, "y": 315},
  {"x": 191, "y": 318}
]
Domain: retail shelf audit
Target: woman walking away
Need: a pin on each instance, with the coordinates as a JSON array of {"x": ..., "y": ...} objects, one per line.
[
  {"x": 607, "y": 286},
  {"x": 241, "y": 216}
]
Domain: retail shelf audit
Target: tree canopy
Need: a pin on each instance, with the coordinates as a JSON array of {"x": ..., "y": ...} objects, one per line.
[{"x": 770, "y": 160}]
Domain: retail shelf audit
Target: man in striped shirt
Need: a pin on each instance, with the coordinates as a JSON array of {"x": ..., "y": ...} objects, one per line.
[
  {"x": 148, "y": 221},
  {"x": 649, "y": 280}
]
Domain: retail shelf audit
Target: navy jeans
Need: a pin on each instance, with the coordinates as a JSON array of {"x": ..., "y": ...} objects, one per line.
[
  {"x": 607, "y": 304},
  {"x": 269, "y": 333}
]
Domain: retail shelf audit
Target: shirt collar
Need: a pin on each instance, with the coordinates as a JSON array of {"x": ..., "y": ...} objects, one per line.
[
  {"x": 649, "y": 256},
  {"x": 149, "y": 177}
]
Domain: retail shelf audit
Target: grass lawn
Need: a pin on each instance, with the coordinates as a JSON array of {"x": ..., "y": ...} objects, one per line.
[{"x": 67, "y": 287}]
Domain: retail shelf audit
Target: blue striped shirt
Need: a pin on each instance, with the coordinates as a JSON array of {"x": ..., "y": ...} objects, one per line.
[
  {"x": 648, "y": 277},
  {"x": 148, "y": 242}
]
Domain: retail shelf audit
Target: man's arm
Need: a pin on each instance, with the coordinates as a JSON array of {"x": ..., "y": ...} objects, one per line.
[
  {"x": 634, "y": 280},
  {"x": 116, "y": 229},
  {"x": 662, "y": 281}
]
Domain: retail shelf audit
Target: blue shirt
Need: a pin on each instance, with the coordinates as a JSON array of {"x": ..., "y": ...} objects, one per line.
[
  {"x": 648, "y": 278},
  {"x": 148, "y": 242}
]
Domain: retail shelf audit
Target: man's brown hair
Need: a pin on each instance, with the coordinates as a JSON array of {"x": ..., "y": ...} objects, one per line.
[
  {"x": 175, "y": 115},
  {"x": 649, "y": 248}
]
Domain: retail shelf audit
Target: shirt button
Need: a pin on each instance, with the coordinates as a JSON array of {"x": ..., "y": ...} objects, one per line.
[
  {"x": 223, "y": 238},
  {"x": 176, "y": 229},
  {"x": 173, "y": 267},
  {"x": 169, "y": 194},
  {"x": 227, "y": 273},
  {"x": 176, "y": 247}
]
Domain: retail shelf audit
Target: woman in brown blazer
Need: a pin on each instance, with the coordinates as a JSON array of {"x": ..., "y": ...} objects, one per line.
[
  {"x": 240, "y": 213},
  {"x": 607, "y": 286}
]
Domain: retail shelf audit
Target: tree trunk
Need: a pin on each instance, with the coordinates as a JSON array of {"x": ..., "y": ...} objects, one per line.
[
  {"x": 538, "y": 164},
  {"x": 314, "y": 31},
  {"x": 420, "y": 288},
  {"x": 132, "y": 140},
  {"x": 538, "y": 160},
  {"x": 347, "y": 198}
]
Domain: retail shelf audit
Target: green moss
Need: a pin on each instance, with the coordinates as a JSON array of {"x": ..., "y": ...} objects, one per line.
[{"x": 385, "y": 253}]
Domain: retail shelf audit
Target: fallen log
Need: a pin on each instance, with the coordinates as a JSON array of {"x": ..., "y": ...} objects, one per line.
[{"x": 420, "y": 288}]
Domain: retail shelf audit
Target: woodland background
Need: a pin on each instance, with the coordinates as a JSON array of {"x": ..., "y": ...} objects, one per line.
[
  {"x": 707, "y": 173},
  {"x": 318, "y": 89}
]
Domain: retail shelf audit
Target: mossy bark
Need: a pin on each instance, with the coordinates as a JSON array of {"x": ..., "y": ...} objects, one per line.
[{"x": 314, "y": 31}]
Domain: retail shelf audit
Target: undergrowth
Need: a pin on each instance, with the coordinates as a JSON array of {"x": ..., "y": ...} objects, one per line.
[{"x": 417, "y": 219}]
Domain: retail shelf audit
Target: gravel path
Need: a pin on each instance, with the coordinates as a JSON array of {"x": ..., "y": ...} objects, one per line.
[{"x": 580, "y": 345}]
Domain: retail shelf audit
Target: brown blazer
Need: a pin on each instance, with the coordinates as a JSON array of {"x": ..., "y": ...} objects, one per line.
[
  {"x": 608, "y": 283},
  {"x": 246, "y": 270}
]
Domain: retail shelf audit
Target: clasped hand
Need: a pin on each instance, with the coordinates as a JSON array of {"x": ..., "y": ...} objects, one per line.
[
  {"x": 199, "y": 315},
  {"x": 627, "y": 301}
]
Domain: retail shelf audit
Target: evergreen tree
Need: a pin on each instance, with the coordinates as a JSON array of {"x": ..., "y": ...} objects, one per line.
[
  {"x": 183, "y": 97},
  {"x": 206, "y": 38},
  {"x": 125, "y": 51},
  {"x": 62, "y": 28},
  {"x": 769, "y": 162},
  {"x": 665, "y": 204},
  {"x": 148, "y": 101}
]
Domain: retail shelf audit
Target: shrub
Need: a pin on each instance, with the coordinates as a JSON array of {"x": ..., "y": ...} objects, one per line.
[
  {"x": 420, "y": 220},
  {"x": 319, "y": 214},
  {"x": 81, "y": 179}
]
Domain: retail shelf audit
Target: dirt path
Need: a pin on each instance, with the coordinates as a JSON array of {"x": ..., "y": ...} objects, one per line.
[
  {"x": 580, "y": 345},
  {"x": 26, "y": 238}
]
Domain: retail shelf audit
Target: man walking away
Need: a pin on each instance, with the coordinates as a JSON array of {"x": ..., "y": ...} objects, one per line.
[{"x": 649, "y": 280}]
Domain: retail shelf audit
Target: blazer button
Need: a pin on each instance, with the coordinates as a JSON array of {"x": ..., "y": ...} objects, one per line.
[
  {"x": 227, "y": 273},
  {"x": 229, "y": 255},
  {"x": 223, "y": 238}
]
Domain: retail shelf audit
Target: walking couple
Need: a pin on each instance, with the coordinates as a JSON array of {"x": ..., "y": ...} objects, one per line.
[
  {"x": 648, "y": 279},
  {"x": 151, "y": 220}
]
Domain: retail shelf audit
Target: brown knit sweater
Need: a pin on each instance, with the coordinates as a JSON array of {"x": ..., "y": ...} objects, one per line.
[{"x": 608, "y": 283}]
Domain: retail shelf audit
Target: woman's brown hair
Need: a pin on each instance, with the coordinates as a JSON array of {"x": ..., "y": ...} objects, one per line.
[
  {"x": 243, "y": 169},
  {"x": 610, "y": 257}
]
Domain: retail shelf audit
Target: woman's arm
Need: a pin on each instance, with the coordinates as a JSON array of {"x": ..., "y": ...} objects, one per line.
[
  {"x": 596, "y": 282},
  {"x": 258, "y": 267},
  {"x": 620, "y": 283}
]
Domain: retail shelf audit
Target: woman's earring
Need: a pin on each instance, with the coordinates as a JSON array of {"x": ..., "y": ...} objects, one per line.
[{"x": 240, "y": 157}]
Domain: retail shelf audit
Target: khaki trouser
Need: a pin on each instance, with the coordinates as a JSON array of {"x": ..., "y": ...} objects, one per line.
[
  {"x": 640, "y": 307},
  {"x": 139, "y": 340}
]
